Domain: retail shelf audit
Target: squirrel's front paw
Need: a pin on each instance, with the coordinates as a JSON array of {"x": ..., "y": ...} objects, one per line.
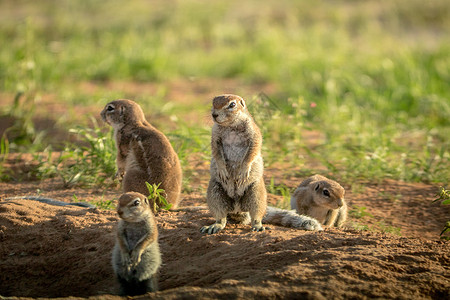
[
  {"x": 223, "y": 174},
  {"x": 244, "y": 174},
  {"x": 135, "y": 259},
  {"x": 212, "y": 229},
  {"x": 126, "y": 261}
]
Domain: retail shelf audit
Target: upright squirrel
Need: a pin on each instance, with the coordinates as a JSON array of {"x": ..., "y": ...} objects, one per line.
[
  {"x": 236, "y": 187},
  {"x": 144, "y": 154},
  {"x": 136, "y": 257},
  {"x": 322, "y": 199}
]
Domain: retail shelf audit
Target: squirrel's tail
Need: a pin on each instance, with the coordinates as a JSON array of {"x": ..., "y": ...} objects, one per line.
[{"x": 289, "y": 218}]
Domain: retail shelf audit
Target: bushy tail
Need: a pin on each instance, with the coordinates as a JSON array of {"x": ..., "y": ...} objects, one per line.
[{"x": 289, "y": 218}]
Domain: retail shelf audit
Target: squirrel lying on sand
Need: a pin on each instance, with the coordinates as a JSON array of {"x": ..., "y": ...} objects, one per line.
[{"x": 322, "y": 199}]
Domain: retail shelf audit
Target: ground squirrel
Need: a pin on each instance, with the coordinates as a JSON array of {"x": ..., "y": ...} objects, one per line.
[
  {"x": 322, "y": 199},
  {"x": 144, "y": 154},
  {"x": 236, "y": 187},
  {"x": 136, "y": 257}
]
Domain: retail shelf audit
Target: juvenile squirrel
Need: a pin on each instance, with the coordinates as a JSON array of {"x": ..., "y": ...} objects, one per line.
[
  {"x": 322, "y": 199},
  {"x": 236, "y": 188},
  {"x": 144, "y": 154},
  {"x": 136, "y": 257}
]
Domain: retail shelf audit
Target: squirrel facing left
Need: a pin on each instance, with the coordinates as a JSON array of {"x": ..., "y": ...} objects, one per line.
[
  {"x": 144, "y": 154},
  {"x": 136, "y": 257}
]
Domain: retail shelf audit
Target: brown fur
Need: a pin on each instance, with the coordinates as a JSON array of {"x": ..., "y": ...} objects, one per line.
[
  {"x": 322, "y": 199},
  {"x": 144, "y": 154},
  {"x": 236, "y": 185}
]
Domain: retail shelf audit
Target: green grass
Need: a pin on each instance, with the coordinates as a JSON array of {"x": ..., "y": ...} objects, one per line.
[
  {"x": 389, "y": 228},
  {"x": 444, "y": 198},
  {"x": 90, "y": 162},
  {"x": 372, "y": 77},
  {"x": 378, "y": 227},
  {"x": 281, "y": 190},
  {"x": 359, "y": 212}
]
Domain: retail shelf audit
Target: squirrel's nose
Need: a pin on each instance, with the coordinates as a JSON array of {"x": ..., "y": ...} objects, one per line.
[{"x": 214, "y": 115}]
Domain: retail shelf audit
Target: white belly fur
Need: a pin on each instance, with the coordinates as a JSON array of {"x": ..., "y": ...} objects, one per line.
[{"x": 235, "y": 146}]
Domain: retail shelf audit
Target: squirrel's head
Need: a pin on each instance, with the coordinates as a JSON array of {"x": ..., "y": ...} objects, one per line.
[
  {"x": 134, "y": 207},
  {"x": 122, "y": 112},
  {"x": 228, "y": 109},
  {"x": 329, "y": 194}
]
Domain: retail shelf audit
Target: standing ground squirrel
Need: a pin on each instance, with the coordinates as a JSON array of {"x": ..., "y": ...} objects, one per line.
[
  {"x": 236, "y": 184},
  {"x": 322, "y": 199},
  {"x": 236, "y": 187},
  {"x": 144, "y": 154},
  {"x": 136, "y": 257}
]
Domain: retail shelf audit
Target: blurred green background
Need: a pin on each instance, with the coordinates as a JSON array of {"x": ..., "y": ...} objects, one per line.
[{"x": 357, "y": 89}]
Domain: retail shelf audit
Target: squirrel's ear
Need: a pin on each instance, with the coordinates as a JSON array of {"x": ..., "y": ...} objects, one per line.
[
  {"x": 146, "y": 200},
  {"x": 317, "y": 187},
  {"x": 242, "y": 102}
]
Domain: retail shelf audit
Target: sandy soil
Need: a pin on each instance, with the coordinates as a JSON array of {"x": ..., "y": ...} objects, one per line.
[{"x": 52, "y": 251}]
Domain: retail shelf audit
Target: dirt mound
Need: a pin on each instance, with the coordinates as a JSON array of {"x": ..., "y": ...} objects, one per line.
[{"x": 56, "y": 251}]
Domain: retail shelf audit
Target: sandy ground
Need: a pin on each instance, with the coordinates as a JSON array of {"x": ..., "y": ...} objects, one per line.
[{"x": 52, "y": 251}]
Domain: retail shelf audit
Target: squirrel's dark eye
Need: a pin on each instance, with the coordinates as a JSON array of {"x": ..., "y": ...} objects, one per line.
[
  {"x": 326, "y": 193},
  {"x": 136, "y": 202},
  {"x": 232, "y": 105},
  {"x": 110, "y": 108}
]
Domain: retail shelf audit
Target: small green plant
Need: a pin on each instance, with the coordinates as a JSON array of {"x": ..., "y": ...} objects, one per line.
[
  {"x": 4, "y": 151},
  {"x": 359, "y": 212},
  {"x": 390, "y": 196},
  {"x": 444, "y": 197},
  {"x": 157, "y": 194},
  {"x": 359, "y": 227},
  {"x": 390, "y": 229},
  {"x": 281, "y": 190}
]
